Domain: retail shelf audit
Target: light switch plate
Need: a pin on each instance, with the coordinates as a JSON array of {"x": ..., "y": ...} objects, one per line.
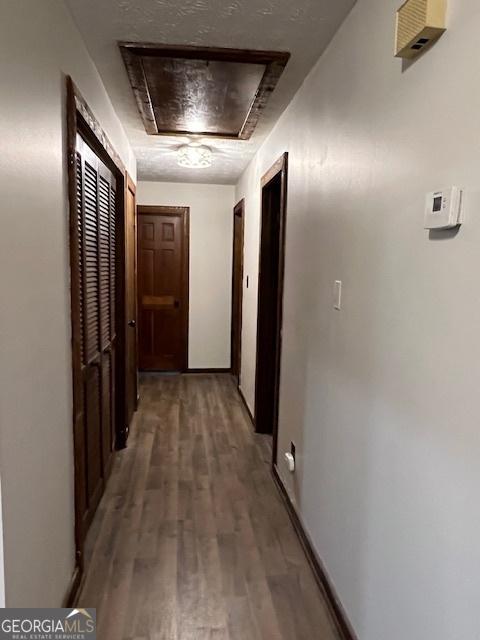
[{"x": 338, "y": 295}]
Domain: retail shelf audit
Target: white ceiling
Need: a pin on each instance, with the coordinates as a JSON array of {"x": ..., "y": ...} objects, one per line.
[{"x": 303, "y": 27}]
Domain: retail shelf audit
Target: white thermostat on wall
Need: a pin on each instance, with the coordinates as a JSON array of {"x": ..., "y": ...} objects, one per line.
[{"x": 444, "y": 209}]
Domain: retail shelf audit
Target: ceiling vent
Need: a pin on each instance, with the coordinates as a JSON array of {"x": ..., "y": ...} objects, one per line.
[{"x": 419, "y": 24}]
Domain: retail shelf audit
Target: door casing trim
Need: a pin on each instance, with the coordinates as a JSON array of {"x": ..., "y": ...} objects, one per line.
[
  {"x": 239, "y": 207},
  {"x": 131, "y": 187},
  {"x": 280, "y": 167}
]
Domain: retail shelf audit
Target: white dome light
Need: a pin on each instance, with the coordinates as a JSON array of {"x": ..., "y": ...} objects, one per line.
[{"x": 195, "y": 156}]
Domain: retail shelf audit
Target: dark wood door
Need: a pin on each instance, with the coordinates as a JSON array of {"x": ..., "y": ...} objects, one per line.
[
  {"x": 131, "y": 383},
  {"x": 96, "y": 240},
  {"x": 163, "y": 288},
  {"x": 270, "y": 299},
  {"x": 237, "y": 289}
]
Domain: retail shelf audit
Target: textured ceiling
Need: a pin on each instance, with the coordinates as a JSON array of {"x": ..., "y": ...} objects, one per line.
[{"x": 303, "y": 27}]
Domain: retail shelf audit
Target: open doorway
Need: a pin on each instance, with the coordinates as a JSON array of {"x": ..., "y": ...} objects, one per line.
[
  {"x": 270, "y": 299},
  {"x": 237, "y": 289}
]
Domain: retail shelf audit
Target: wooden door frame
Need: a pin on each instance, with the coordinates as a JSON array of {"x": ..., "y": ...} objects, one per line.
[
  {"x": 131, "y": 186},
  {"x": 80, "y": 120},
  {"x": 240, "y": 206},
  {"x": 279, "y": 168},
  {"x": 184, "y": 214}
]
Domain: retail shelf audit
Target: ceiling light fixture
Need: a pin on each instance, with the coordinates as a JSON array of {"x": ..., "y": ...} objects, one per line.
[{"x": 195, "y": 156}]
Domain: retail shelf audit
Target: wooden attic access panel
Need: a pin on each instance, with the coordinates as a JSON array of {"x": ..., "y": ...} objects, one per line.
[{"x": 201, "y": 91}]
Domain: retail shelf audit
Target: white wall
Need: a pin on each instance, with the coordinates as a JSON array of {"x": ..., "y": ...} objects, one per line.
[
  {"x": 381, "y": 397},
  {"x": 211, "y": 229},
  {"x": 38, "y": 45}
]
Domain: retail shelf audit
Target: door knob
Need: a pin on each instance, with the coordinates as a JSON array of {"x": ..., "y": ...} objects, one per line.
[{"x": 132, "y": 323}]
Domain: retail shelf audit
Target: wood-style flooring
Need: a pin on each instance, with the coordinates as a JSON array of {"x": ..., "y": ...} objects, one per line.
[{"x": 191, "y": 540}]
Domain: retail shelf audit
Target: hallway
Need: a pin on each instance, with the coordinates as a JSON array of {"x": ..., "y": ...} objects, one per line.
[{"x": 191, "y": 502}]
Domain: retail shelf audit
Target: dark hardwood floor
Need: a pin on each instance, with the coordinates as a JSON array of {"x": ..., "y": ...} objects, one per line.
[{"x": 191, "y": 540}]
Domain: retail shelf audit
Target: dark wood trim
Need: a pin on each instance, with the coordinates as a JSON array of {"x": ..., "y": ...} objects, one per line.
[
  {"x": 93, "y": 126},
  {"x": 132, "y": 187},
  {"x": 75, "y": 312},
  {"x": 132, "y": 53},
  {"x": 279, "y": 167},
  {"x": 245, "y": 405},
  {"x": 208, "y": 370},
  {"x": 183, "y": 212},
  {"x": 239, "y": 210},
  {"x": 123, "y": 427},
  {"x": 321, "y": 576},
  {"x": 225, "y": 54},
  {"x": 80, "y": 120},
  {"x": 274, "y": 170},
  {"x": 73, "y": 589},
  {"x": 161, "y": 210},
  {"x": 130, "y": 184}
]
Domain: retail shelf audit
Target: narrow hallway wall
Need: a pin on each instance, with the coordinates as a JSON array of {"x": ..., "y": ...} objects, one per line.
[
  {"x": 211, "y": 237},
  {"x": 39, "y": 45},
  {"x": 380, "y": 398}
]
